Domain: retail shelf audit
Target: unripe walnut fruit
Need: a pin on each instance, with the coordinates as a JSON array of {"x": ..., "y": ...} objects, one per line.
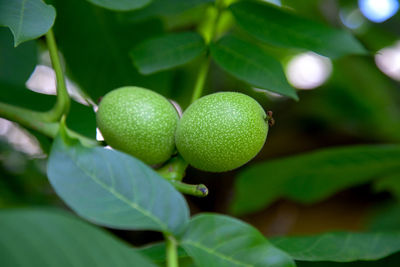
[
  {"x": 139, "y": 122},
  {"x": 221, "y": 131}
]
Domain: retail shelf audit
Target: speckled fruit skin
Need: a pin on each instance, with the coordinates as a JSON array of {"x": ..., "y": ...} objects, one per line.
[
  {"x": 139, "y": 122},
  {"x": 221, "y": 131}
]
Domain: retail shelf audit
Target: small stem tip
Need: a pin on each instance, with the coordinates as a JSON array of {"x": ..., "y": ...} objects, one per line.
[
  {"x": 203, "y": 189},
  {"x": 197, "y": 190},
  {"x": 270, "y": 119}
]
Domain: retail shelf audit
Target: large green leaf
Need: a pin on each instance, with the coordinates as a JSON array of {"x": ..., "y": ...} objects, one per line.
[
  {"x": 41, "y": 238},
  {"x": 314, "y": 176},
  {"x": 27, "y": 19},
  {"x": 96, "y": 44},
  {"x": 120, "y": 5},
  {"x": 217, "y": 240},
  {"x": 341, "y": 246},
  {"x": 280, "y": 27},
  {"x": 113, "y": 189},
  {"x": 251, "y": 64},
  {"x": 168, "y": 51}
]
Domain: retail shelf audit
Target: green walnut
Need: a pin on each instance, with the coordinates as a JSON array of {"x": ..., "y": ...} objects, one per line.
[
  {"x": 139, "y": 122},
  {"x": 221, "y": 131}
]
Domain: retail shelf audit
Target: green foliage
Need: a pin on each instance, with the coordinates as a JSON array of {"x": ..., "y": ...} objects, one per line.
[
  {"x": 97, "y": 54},
  {"x": 27, "y": 19},
  {"x": 312, "y": 177},
  {"x": 216, "y": 240},
  {"x": 167, "y": 51},
  {"x": 341, "y": 247},
  {"x": 48, "y": 237},
  {"x": 280, "y": 27},
  {"x": 17, "y": 64},
  {"x": 170, "y": 46},
  {"x": 114, "y": 190},
  {"x": 251, "y": 64}
]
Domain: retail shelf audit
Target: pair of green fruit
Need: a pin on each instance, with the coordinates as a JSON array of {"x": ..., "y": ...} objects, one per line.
[{"x": 218, "y": 132}]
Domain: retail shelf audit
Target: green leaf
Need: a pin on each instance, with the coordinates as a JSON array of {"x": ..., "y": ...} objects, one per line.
[
  {"x": 27, "y": 19},
  {"x": 341, "y": 246},
  {"x": 251, "y": 64},
  {"x": 217, "y": 240},
  {"x": 281, "y": 27},
  {"x": 168, "y": 51},
  {"x": 159, "y": 8},
  {"x": 97, "y": 55},
  {"x": 120, "y": 5},
  {"x": 113, "y": 189},
  {"x": 314, "y": 176},
  {"x": 39, "y": 237}
]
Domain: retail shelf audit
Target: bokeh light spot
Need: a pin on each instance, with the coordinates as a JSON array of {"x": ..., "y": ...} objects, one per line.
[
  {"x": 308, "y": 70},
  {"x": 378, "y": 10},
  {"x": 388, "y": 61},
  {"x": 351, "y": 18}
]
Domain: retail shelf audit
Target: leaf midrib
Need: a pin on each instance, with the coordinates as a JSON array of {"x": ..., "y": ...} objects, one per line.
[
  {"x": 21, "y": 20},
  {"x": 211, "y": 251}
]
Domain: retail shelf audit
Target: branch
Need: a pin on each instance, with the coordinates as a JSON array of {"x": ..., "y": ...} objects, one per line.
[
  {"x": 208, "y": 29},
  {"x": 63, "y": 100}
]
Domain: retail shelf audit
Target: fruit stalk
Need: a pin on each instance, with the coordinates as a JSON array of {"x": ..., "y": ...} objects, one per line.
[
  {"x": 174, "y": 169},
  {"x": 197, "y": 190}
]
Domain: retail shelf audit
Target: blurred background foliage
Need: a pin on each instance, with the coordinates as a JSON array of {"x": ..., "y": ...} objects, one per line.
[{"x": 345, "y": 101}]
